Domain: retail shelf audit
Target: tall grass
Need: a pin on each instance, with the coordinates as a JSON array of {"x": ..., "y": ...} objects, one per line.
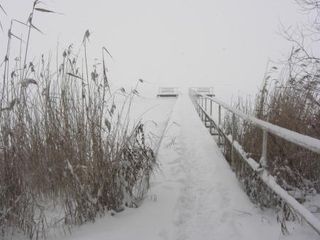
[
  {"x": 64, "y": 143},
  {"x": 291, "y": 103},
  {"x": 289, "y": 100}
]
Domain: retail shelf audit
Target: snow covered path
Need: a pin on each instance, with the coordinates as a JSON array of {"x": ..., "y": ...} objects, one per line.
[{"x": 194, "y": 195}]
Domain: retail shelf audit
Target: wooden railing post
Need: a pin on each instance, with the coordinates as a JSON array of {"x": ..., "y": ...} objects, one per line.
[
  {"x": 219, "y": 124},
  {"x": 205, "y": 104},
  {"x": 201, "y": 105},
  {"x": 219, "y": 120},
  {"x": 211, "y": 121},
  {"x": 233, "y": 132},
  {"x": 263, "y": 159},
  {"x": 205, "y": 115}
]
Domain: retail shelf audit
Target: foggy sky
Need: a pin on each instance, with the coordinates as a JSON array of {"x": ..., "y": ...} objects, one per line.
[{"x": 224, "y": 44}]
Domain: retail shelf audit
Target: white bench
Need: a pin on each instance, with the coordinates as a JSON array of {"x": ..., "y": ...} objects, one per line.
[
  {"x": 167, "y": 92},
  {"x": 208, "y": 91}
]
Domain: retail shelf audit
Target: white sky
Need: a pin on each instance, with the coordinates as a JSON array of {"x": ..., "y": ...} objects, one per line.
[{"x": 224, "y": 44}]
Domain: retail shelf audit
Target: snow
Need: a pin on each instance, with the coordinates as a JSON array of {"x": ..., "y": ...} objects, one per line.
[
  {"x": 194, "y": 194},
  {"x": 271, "y": 182},
  {"x": 309, "y": 217}
]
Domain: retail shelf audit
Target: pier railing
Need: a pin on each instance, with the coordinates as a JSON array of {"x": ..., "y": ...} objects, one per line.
[{"x": 205, "y": 106}]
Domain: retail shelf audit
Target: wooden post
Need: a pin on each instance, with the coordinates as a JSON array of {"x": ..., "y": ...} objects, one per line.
[
  {"x": 211, "y": 121},
  {"x": 219, "y": 123},
  {"x": 205, "y": 104},
  {"x": 263, "y": 159},
  {"x": 233, "y": 138}
]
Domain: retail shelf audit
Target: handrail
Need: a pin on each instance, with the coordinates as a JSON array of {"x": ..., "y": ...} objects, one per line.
[
  {"x": 304, "y": 141},
  {"x": 310, "y": 143}
]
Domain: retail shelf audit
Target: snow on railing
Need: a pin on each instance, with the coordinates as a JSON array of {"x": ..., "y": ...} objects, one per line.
[{"x": 205, "y": 111}]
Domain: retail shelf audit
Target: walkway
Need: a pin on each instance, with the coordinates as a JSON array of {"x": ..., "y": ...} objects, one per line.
[{"x": 194, "y": 195}]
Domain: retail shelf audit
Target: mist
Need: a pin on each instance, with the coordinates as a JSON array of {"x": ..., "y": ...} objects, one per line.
[{"x": 223, "y": 44}]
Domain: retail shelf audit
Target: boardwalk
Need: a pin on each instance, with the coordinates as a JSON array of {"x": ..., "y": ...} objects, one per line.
[{"x": 194, "y": 195}]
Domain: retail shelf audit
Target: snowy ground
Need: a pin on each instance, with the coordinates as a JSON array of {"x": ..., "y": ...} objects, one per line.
[{"x": 193, "y": 195}]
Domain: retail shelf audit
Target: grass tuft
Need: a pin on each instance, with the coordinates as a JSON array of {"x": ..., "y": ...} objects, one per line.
[{"x": 64, "y": 143}]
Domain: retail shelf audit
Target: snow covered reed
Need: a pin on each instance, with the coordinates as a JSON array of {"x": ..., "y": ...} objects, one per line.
[{"x": 64, "y": 142}]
